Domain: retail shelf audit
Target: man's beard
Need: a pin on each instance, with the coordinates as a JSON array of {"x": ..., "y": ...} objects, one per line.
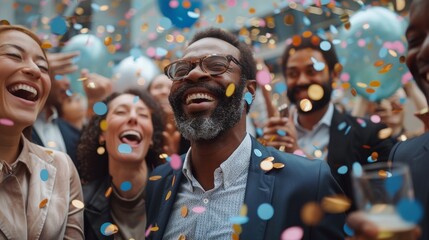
[
  {"x": 316, "y": 105},
  {"x": 224, "y": 116}
]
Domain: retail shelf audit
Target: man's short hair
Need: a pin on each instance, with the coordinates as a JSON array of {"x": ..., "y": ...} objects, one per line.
[{"x": 248, "y": 65}]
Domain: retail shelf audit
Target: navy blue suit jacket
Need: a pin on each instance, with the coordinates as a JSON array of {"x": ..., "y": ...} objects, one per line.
[
  {"x": 288, "y": 189},
  {"x": 71, "y": 137},
  {"x": 415, "y": 152}
]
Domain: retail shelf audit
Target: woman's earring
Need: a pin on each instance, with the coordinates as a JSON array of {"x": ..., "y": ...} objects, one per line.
[{"x": 101, "y": 150}]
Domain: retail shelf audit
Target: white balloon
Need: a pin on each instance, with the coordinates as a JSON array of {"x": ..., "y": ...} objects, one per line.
[{"x": 132, "y": 73}]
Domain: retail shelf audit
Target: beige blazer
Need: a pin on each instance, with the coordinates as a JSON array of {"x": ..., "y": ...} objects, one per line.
[{"x": 36, "y": 199}]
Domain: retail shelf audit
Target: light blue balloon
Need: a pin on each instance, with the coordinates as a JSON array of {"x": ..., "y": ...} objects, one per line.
[
  {"x": 93, "y": 56},
  {"x": 373, "y": 32}
]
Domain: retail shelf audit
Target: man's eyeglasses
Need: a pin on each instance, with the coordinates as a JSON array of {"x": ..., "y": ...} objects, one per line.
[{"x": 211, "y": 64}]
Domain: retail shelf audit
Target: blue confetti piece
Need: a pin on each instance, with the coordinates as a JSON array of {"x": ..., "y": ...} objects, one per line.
[
  {"x": 58, "y": 25},
  {"x": 383, "y": 52},
  {"x": 341, "y": 126},
  {"x": 104, "y": 227},
  {"x": 259, "y": 131},
  {"x": 165, "y": 23},
  {"x": 69, "y": 93},
  {"x": 136, "y": 99},
  {"x": 95, "y": 7},
  {"x": 410, "y": 210},
  {"x": 281, "y": 133},
  {"x": 124, "y": 148},
  {"x": 342, "y": 170},
  {"x": 347, "y": 130},
  {"x": 370, "y": 160},
  {"x": 393, "y": 184},
  {"x": 306, "y": 21},
  {"x": 325, "y": 46},
  {"x": 348, "y": 230},
  {"x": 161, "y": 52},
  {"x": 357, "y": 169},
  {"x": 58, "y": 77},
  {"x": 76, "y": 59},
  {"x": 265, "y": 211},
  {"x": 333, "y": 29},
  {"x": 280, "y": 88},
  {"x": 100, "y": 108},
  {"x": 238, "y": 220},
  {"x": 319, "y": 66},
  {"x": 44, "y": 175},
  {"x": 257, "y": 152},
  {"x": 77, "y": 26},
  {"x": 248, "y": 97},
  {"x": 126, "y": 186}
]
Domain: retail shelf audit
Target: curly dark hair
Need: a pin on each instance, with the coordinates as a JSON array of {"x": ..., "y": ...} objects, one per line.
[
  {"x": 94, "y": 166},
  {"x": 248, "y": 64}
]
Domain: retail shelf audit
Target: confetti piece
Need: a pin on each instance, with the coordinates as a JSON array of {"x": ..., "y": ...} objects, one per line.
[
  {"x": 78, "y": 204},
  {"x": 248, "y": 97},
  {"x": 266, "y": 165},
  {"x": 238, "y": 219},
  {"x": 126, "y": 186},
  {"x": 175, "y": 162},
  {"x": 155, "y": 178},
  {"x": 325, "y": 46},
  {"x": 124, "y": 148},
  {"x": 44, "y": 175},
  {"x": 154, "y": 228},
  {"x": 237, "y": 228},
  {"x": 342, "y": 126},
  {"x": 410, "y": 210},
  {"x": 43, "y": 203},
  {"x": 46, "y": 45},
  {"x": 168, "y": 195},
  {"x": 257, "y": 152},
  {"x": 342, "y": 170},
  {"x": 219, "y": 18},
  {"x": 289, "y": 19},
  {"x": 385, "y": 133},
  {"x": 263, "y": 77},
  {"x": 335, "y": 204},
  {"x": 184, "y": 211},
  {"x": 386, "y": 68},
  {"x": 357, "y": 169},
  {"x": 265, "y": 211},
  {"x": 198, "y": 209},
  {"x": 6, "y": 122},
  {"x": 348, "y": 230},
  {"x": 278, "y": 165},
  {"x": 58, "y": 25},
  {"x": 103, "y": 125},
  {"x": 315, "y": 92},
  {"x": 182, "y": 237},
  {"x": 108, "y": 229},
  {"x": 173, "y": 180},
  {"x": 292, "y": 233},
  {"x": 100, "y": 108},
  {"x": 230, "y": 90},
  {"x": 101, "y": 150},
  {"x": 305, "y": 105}
]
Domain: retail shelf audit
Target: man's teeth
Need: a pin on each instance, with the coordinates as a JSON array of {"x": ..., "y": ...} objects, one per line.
[
  {"x": 23, "y": 87},
  {"x": 195, "y": 96}
]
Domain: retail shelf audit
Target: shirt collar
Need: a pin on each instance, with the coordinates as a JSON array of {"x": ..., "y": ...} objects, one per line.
[
  {"x": 236, "y": 164},
  {"x": 326, "y": 119},
  {"x": 53, "y": 117},
  {"x": 23, "y": 157}
]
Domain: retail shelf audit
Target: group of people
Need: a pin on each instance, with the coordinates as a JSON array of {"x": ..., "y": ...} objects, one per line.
[{"x": 111, "y": 179}]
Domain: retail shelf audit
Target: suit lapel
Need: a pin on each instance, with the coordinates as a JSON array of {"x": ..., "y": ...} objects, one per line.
[
  {"x": 35, "y": 138},
  {"x": 171, "y": 187},
  {"x": 337, "y": 141},
  {"x": 259, "y": 190}
]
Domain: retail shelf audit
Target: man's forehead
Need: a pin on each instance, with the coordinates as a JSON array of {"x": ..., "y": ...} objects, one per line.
[{"x": 211, "y": 46}]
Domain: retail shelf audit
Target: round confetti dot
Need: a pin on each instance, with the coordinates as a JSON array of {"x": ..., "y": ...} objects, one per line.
[
  {"x": 341, "y": 126},
  {"x": 315, "y": 92},
  {"x": 342, "y": 170},
  {"x": 99, "y": 108},
  {"x": 248, "y": 97},
  {"x": 348, "y": 230},
  {"x": 299, "y": 152},
  {"x": 410, "y": 210},
  {"x": 257, "y": 152},
  {"x": 375, "y": 118},
  {"x": 357, "y": 169},
  {"x": 292, "y": 233},
  {"x": 393, "y": 184},
  {"x": 385, "y": 133},
  {"x": 318, "y": 153},
  {"x": 78, "y": 204},
  {"x": 289, "y": 19},
  {"x": 311, "y": 213},
  {"x": 58, "y": 25},
  {"x": 266, "y": 165},
  {"x": 230, "y": 90},
  {"x": 175, "y": 162},
  {"x": 103, "y": 125},
  {"x": 124, "y": 148},
  {"x": 305, "y": 105},
  {"x": 44, "y": 175},
  {"x": 108, "y": 229},
  {"x": 107, "y": 41},
  {"x": 126, "y": 186},
  {"x": 325, "y": 45},
  {"x": 263, "y": 77},
  {"x": 280, "y": 88},
  {"x": 101, "y": 150},
  {"x": 6, "y": 122},
  {"x": 198, "y": 209},
  {"x": 265, "y": 211}
]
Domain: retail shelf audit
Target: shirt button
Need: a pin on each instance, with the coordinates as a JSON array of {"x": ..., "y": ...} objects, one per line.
[{"x": 205, "y": 200}]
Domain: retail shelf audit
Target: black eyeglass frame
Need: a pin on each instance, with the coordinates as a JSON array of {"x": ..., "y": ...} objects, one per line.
[{"x": 200, "y": 63}]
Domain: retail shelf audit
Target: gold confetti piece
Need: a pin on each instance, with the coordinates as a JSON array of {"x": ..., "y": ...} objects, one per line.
[
  {"x": 108, "y": 192},
  {"x": 78, "y": 204},
  {"x": 46, "y": 45},
  {"x": 361, "y": 84},
  {"x": 144, "y": 27},
  {"x": 50, "y": 152},
  {"x": 402, "y": 59},
  {"x": 252, "y": 10},
  {"x": 315, "y": 92},
  {"x": 296, "y": 40},
  {"x": 378, "y": 63},
  {"x": 375, "y": 83},
  {"x": 219, "y": 19},
  {"x": 154, "y": 228},
  {"x": 82, "y": 79},
  {"x": 315, "y": 40},
  {"x": 311, "y": 213},
  {"x": 344, "y": 18},
  {"x": 230, "y": 90},
  {"x": 235, "y": 236},
  {"x": 266, "y": 165},
  {"x": 90, "y": 85},
  {"x": 307, "y": 34},
  {"x": 338, "y": 68},
  {"x": 305, "y": 105},
  {"x": 384, "y": 174},
  {"x": 107, "y": 41},
  {"x": 374, "y": 156},
  {"x": 243, "y": 210},
  {"x": 353, "y": 92},
  {"x": 173, "y": 180},
  {"x": 318, "y": 153},
  {"x": 385, "y": 133},
  {"x": 237, "y": 228},
  {"x": 103, "y": 125},
  {"x": 186, "y": 4},
  {"x": 101, "y": 150},
  {"x": 155, "y": 178},
  {"x": 111, "y": 49},
  {"x": 345, "y": 85},
  {"x": 270, "y": 159},
  {"x": 392, "y": 53},
  {"x": 111, "y": 229},
  {"x": 370, "y": 90},
  {"x": 4, "y": 22},
  {"x": 278, "y": 165},
  {"x": 168, "y": 195},
  {"x": 386, "y": 68},
  {"x": 336, "y": 204},
  {"x": 289, "y": 19},
  {"x": 347, "y": 25},
  {"x": 184, "y": 211},
  {"x": 43, "y": 203}
]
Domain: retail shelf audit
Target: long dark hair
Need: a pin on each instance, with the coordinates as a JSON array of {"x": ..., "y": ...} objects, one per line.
[{"x": 94, "y": 166}]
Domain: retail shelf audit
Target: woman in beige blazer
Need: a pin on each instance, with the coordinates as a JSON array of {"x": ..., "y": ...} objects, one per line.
[{"x": 40, "y": 192}]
